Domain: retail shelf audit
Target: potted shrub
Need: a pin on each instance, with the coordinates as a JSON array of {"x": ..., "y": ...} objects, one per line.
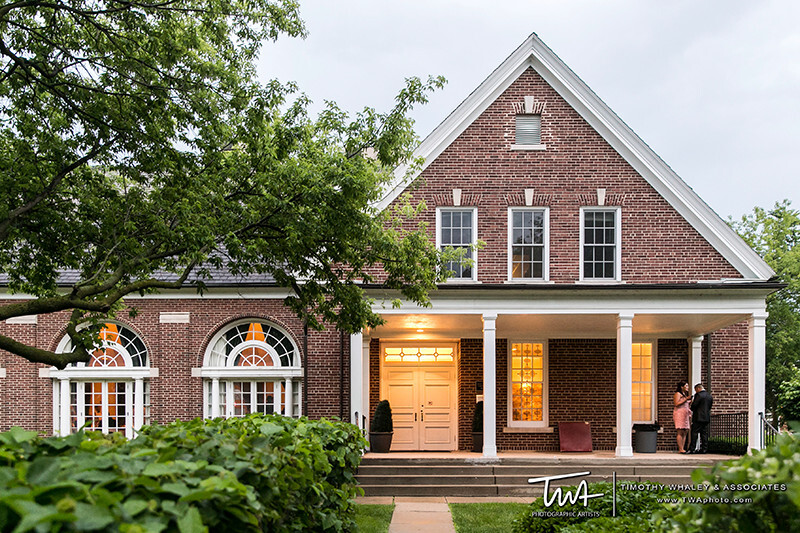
[
  {"x": 381, "y": 429},
  {"x": 477, "y": 428},
  {"x": 646, "y": 437}
]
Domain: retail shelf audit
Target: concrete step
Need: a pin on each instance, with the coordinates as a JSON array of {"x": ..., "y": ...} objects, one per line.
[
  {"x": 430, "y": 490},
  {"x": 425, "y": 480},
  {"x": 399, "y": 470}
]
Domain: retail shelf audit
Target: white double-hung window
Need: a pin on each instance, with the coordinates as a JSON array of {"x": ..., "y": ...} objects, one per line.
[
  {"x": 457, "y": 229},
  {"x": 528, "y": 244},
  {"x": 600, "y": 244}
]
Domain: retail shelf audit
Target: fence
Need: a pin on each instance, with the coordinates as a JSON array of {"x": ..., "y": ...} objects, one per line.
[
  {"x": 728, "y": 433},
  {"x": 768, "y": 431}
]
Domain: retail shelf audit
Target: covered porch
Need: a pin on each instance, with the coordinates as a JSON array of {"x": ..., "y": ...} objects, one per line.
[{"x": 591, "y": 340}]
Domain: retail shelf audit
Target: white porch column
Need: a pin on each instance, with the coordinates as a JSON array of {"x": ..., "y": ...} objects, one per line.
[
  {"x": 489, "y": 385},
  {"x": 695, "y": 358},
  {"x": 624, "y": 387},
  {"x": 289, "y": 391},
  {"x": 65, "y": 408},
  {"x": 214, "y": 397},
  {"x": 757, "y": 368},
  {"x": 138, "y": 404},
  {"x": 365, "y": 382},
  {"x": 356, "y": 376}
]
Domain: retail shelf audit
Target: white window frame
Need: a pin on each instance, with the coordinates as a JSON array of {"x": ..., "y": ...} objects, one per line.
[
  {"x": 654, "y": 377},
  {"x": 617, "y": 245},
  {"x": 545, "y": 422},
  {"x": 220, "y": 378},
  {"x": 474, "y": 243},
  {"x": 135, "y": 378},
  {"x": 545, "y": 253}
]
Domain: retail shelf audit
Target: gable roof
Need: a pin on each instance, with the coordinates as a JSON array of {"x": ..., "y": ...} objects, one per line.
[{"x": 533, "y": 53}]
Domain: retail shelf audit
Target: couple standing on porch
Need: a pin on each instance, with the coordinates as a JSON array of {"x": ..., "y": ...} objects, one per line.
[{"x": 699, "y": 412}]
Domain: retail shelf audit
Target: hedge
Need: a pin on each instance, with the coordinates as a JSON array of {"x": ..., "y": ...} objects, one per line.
[{"x": 258, "y": 473}]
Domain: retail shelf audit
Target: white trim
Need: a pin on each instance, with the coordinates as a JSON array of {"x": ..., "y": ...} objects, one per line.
[
  {"x": 545, "y": 422},
  {"x": 545, "y": 254},
  {"x": 617, "y": 244},
  {"x": 533, "y": 53},
  {"x": 174, "y": 318},
  {"x": 489, "y": 385},
  {"x": 248, "y": 372},
  {"x": 2, "y": 373},
  {"x": 272, "y": 352},
  {"x": 26, "y": 319},
  {"x": 118, "y": 373},
  {"x": 528, "y": 147},
  {"x": 756, "y": 371},
  {"x": 474, "y": 243},
  {"x": 695, "y": 356}
]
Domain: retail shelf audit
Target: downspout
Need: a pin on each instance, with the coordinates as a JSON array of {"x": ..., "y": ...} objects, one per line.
[
  {"x": 708, "y": 362},
  {"x": 305, "y": 368},
  {"x": 341, "y": 375}
]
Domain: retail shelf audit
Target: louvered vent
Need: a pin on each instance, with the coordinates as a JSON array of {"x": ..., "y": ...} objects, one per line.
[{"x": 529, "y": 129}]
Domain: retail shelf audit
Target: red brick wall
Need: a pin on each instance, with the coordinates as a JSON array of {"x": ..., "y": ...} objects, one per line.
[
  {"x": 729, "y": 384},
  {"x": 672, "y": 363},
  {"x": 655, "y": 239},
  {"x": 26, "y": 399},
  {"x": 470, "y": 372}
]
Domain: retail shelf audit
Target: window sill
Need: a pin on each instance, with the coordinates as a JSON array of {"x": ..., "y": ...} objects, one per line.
[
  {"x": 528, "y": 429},
  {"x": 529, "y": 282},
  {"x": 462, "y": 282},
  {"x": 528, "y": 147},
  {"x": 600, "y": 282},
  {"x": 614, "y": 429}
]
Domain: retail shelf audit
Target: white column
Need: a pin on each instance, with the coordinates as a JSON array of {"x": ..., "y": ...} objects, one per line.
[
  {"x": 65, "y": 407},
  {"x": 489, "y": 385},
  {"x": 56, "y": 407},
  {"x": 757, "y": 369},
  {"x": 695, "y": 358},
  {"x": 365, "y": 383},
  {"x": 289, "y": 389},
  {"x": 276, "y": 396},
  {"x": 138, "y": 404},
  {"x": 356, "y": 377},
  {"x": 624, "y": 388},
  {"x": 214, "y": 397}
]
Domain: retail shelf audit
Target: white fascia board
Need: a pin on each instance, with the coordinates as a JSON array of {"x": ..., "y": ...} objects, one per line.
[
  {"x": 248, "y": 372},
  {"x": 112, "y": 373},
  {"x": 534, "y": 53}
]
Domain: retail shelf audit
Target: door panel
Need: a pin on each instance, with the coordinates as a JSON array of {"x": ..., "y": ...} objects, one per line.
[{"x": 423, "y": 407}]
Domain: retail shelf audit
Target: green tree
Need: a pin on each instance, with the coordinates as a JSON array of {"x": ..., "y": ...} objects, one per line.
[
  {"x": 139, "y": 151},
  {"x": 775, "y": 235}
]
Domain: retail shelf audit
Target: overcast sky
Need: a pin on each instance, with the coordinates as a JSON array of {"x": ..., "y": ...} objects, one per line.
[{"x": 712, "y": 86}]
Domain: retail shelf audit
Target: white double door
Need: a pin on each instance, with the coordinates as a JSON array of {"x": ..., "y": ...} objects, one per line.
[{"x": 423, "y": 401}]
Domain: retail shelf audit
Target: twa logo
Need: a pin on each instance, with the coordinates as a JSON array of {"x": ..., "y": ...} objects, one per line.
[{"x": 582, "y": 492}]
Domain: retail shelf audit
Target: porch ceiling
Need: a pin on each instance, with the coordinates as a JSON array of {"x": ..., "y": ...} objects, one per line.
[{"x": 583, "y": 325}]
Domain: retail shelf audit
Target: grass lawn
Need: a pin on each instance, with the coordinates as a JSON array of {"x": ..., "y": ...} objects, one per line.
[
  {"x": 373, "y": 518},
  {"x": 485, "y": 517}
]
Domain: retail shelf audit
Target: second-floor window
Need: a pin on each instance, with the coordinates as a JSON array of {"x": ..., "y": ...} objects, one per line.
[
  {"x": 457, "y": 230},
  {"x": 528, "y": 244},
  {"x": 600, "y": 246}
]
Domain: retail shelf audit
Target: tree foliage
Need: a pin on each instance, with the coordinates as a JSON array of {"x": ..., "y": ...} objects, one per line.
[
  {"x": 139, "y": 151},
  {"x": 775, "y": 235}
]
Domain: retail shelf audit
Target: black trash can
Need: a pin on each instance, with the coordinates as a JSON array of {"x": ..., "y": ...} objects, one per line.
[{"x": 646, "y": 439}]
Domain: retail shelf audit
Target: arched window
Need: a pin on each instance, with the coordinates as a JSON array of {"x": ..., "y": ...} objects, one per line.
[
  {"x": 251, "y": 366},
  {"x": 110, "y": 393}
]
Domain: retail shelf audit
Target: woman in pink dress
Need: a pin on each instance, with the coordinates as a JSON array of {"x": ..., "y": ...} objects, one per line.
[{"x": 681, "y": 414}]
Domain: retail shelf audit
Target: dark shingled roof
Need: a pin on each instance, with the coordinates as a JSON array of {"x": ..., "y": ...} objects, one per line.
[{"x": 219, "y": 277}]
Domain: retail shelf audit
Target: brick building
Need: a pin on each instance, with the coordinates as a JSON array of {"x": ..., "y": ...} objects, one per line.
[{"x": 599, "y": 281}]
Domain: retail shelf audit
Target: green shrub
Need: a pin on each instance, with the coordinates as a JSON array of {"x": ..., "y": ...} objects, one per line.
[
  {"x": 728, "y": 445},
  {"x": 770, "y": 478},
  {"x": 259, "y": 473},
  {"x": 382, "y": 421},
  {"x": 633, "y": 508}
]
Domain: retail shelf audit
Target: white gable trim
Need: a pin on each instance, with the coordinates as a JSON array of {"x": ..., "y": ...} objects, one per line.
[{"x": 533, "y": 53}]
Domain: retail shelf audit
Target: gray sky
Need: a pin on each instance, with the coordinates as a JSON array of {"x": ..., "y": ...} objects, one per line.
[{"x": 712, "y": 86}]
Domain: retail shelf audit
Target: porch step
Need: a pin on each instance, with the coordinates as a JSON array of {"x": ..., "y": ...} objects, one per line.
[{"x": 508, "y": 477}]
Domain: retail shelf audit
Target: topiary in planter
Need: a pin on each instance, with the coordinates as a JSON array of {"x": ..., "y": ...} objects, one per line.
[
  {"x": 381, "y": 429},
  {"x": 477, "y": 428}
]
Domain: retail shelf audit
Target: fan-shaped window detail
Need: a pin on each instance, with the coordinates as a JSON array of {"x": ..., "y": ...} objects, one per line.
[
  {"x": 110, "y": 393},
  {"x": 251, "y": 366}
]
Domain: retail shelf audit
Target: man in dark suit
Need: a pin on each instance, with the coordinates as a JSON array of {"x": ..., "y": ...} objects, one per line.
[{"x": 701, "y": 417}]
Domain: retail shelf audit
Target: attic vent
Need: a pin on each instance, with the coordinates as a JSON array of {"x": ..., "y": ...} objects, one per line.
[{"x": 528, "y": 129}]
